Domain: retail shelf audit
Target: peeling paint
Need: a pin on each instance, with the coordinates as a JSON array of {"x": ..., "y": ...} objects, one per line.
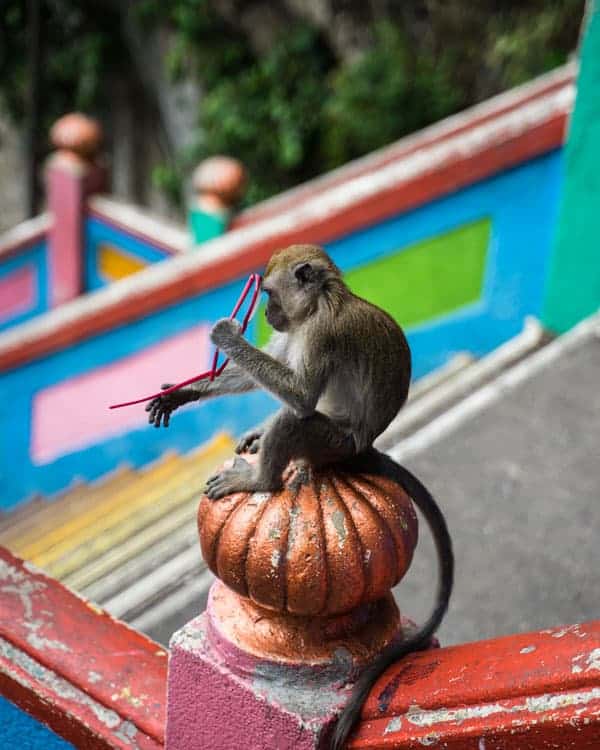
[
  {"x": 575, "y": 629},
  {"x": 38, "y": 641},
  {"x": 593, "y": 660},
  {"x": 66, "y": 690},
  {"x": 294, "y": 518},
  {"x": 527, "y": 650},
  {"x": 20, "y": 584},
  {"x": 430, "y": 739},
  {"x": 339, "y": 521},
  {"x": 536, "y": 704},
  {"x": 126, "y": 695},
  {"x": 94, "y": 677},
  {"x": 275, "y": 556},
  {"x": 395, "y": 725}
]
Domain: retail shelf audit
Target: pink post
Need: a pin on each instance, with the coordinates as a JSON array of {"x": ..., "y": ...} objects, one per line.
[
  {"x": 71, "y": 175},
  {"x": 224, "y": 698},
  {"x": 303, "y": 604}
]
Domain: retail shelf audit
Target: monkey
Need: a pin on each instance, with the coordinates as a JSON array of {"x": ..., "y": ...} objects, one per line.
[{"x": 341, "y": 367}]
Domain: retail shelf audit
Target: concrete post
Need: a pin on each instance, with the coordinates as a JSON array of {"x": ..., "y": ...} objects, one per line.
[{"x": 71, "y": 175}]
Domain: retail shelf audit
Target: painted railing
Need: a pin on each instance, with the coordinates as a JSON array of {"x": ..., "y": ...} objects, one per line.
[
  {"x": 72, "y": 676},
  {"x": 450, "y": 230},
  {"x": 23, "y": 272}
]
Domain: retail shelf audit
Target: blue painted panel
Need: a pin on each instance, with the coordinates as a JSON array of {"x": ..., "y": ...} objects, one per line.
[
  {"x": 19, "y": 730},
  {"x": 98, "y": 232},
  {"x": 20, "y": 479},
  {"x": 523, "y": 205},
  {"x": 37, "y": 257}
]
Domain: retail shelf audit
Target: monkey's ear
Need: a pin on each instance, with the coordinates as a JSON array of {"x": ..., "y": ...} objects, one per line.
[{"x": 305, "y": 273}]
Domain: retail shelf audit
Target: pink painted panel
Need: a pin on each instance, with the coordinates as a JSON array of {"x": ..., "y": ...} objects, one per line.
[
  {"x": 18, "y": 292},
  {"x": 74, "y": 413}
]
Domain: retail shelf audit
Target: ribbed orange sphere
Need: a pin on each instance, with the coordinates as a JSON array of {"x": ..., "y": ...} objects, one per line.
[
  {"x": 324, "y": 549},
  {"x": 78, "y": 133},
  {"x": 220, "y": 175}
]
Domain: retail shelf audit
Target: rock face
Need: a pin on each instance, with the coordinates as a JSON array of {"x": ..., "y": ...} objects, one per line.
[
  {"x": 323, "y": 549},
  {"x": 12, "y": 162}
]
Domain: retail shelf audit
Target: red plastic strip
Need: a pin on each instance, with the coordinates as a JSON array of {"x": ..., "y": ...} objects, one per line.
[{"x": 254, "y": 279}]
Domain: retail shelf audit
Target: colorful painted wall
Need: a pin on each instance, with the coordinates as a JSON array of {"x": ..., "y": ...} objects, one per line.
[
  {"x": 574, "y": 279},
  {"x": 23, "y": 284},
  {"x": 19, "y": 730},
  {"x": 460, "y": 273},
  {"x": 451, "y": 231},
  {"x": 111, "y": 253}
]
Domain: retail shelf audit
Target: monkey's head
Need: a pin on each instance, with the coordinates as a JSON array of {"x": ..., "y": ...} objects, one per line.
[{"x": 296, "y": 280}]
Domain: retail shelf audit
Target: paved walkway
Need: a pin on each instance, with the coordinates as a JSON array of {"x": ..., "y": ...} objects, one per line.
[{"x": 520, "y": 484}]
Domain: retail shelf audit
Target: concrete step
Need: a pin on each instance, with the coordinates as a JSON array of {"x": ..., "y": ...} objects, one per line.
[{"x": 460, "y": 382}]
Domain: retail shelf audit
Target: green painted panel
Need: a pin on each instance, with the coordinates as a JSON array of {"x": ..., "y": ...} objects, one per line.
[
  {"x": 422, "y": 281},
  {"x": 573, "y": 290},
  {"x": 430, "y": 278}
]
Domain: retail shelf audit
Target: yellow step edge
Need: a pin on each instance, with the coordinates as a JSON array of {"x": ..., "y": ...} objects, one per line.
[
  {"x": 97, "y": 498},
  {"x": 102, "y": 565},
  {"x": 127, "y": 504},
  {"x": 186, "y": 488},
  {"x": 221, "y": 443},
  {"x": 34, "y": 545},
  {"x": 186, "y": 493},
  {"x": 55, "y": 512}
]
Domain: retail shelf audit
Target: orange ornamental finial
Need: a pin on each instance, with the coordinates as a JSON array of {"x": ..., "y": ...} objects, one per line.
[
  {"x": 221, "y": 178},
  {"x": 77, "y": 134},
  {"x": 316, "y": 563}
]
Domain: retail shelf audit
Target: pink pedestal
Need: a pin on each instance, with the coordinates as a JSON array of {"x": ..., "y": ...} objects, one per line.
[{"x": 221, "y": 698}]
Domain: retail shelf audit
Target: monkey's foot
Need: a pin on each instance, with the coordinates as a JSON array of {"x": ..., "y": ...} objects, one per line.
[
  {"x": 239, "y": 478},
  {"x": 250, "y": 442}
]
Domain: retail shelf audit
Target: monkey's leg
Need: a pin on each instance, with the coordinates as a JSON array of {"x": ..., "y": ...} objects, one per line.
[{"x": 315, "y": 439}]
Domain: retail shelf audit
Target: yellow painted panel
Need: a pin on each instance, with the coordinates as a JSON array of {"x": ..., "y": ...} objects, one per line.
[{"x": 115, "y": 264}]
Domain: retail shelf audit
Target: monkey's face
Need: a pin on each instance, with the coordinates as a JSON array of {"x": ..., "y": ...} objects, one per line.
[
  {"x": 274, "y": 312},
  {"x": 293, "y": 294}
]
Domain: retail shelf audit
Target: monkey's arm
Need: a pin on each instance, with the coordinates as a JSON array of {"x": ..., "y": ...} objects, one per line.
[
  {"x": 232, "y": 380},
  {"x": 298, "y": 393}
]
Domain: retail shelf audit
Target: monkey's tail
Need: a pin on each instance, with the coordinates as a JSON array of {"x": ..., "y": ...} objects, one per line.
[{"x": 383, "y": 465}]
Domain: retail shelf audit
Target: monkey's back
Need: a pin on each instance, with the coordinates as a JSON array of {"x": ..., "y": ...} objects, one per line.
[{"x": 374, "y": 374}]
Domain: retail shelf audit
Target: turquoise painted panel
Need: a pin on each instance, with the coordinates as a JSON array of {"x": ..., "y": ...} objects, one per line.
[
  {"x": 574, "y": 282},
  {"x": 19, "y": 731},
  {"x": 98, "y": 232},
  {"x": 521, "y": 204},
  {"x": 35, "y": 257}
]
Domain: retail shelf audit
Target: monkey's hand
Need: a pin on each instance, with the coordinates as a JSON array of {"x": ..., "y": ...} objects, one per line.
[
  {"x": 250, "y": 442},
  {"x": 161, "y": 407},
  {"x": 225, "y": 332}
]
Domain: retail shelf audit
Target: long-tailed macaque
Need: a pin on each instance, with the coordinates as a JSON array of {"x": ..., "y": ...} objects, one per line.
[{"x": 341, "y": 368}]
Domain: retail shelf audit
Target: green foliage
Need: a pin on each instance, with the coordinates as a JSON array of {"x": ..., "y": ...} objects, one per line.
[
  {"x": 389, "y": 91},
  {"x": 271, "y": 114},
  {"x": 81, "y": 51},
  {"x": 297, "y": 108},
  {"x": 523, "y": 45}
]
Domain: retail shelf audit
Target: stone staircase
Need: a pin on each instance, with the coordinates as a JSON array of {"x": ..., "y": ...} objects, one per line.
[{"x": 129, "y": 541}]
